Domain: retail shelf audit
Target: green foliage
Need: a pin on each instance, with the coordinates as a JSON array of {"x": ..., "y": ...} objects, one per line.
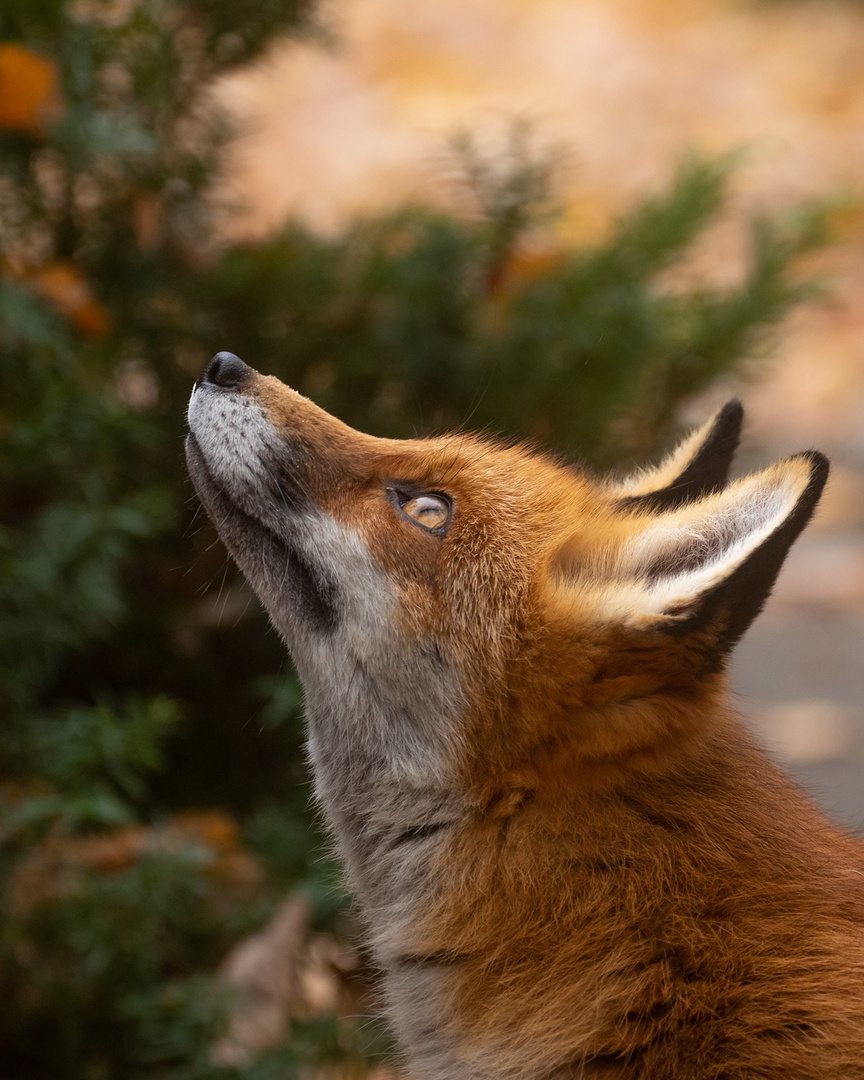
[
  {"x": 409, "y": 322},
  {"x": 138, "y": 677},
  {"x": 99, "y": 964}
]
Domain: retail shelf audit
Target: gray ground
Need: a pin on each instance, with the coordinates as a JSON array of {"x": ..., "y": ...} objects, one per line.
[{"x": 799, "y": 679}]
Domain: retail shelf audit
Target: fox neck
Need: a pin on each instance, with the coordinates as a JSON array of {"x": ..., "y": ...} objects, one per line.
[
  {"x": 382, "y": 760},
  {"x": 390, "y": 774}
]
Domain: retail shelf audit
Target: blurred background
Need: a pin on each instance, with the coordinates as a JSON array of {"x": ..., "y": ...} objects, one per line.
[{"x": 588, "y": 222}]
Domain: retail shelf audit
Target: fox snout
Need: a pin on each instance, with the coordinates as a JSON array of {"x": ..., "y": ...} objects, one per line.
[
  {"x": 234, "y": 448},
  {"x": 243, "y": 471}
]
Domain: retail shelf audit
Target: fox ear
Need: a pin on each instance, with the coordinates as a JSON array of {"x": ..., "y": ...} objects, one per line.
[
  {"x": 698, "y": 467},
  {"x": 710, "y": 565}
]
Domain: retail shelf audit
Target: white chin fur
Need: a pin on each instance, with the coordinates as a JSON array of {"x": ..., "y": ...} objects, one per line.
[{"x": 234, "y": 436}]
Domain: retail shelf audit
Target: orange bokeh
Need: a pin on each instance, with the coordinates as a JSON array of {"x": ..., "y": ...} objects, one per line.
[
  {"x": 66, "y": 288},
  {"x": 29, "y": 89}
]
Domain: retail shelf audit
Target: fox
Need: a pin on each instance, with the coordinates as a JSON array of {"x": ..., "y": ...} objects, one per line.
[{"x": 570, "y": 858}]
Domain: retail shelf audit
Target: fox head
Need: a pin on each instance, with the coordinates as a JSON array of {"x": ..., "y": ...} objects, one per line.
[{"x": 473, "y": 612}]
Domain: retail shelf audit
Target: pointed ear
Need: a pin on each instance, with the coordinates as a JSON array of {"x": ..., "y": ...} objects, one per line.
[
  {"x": 698, "y": 467},
  {"x": 710, "y": 566}
]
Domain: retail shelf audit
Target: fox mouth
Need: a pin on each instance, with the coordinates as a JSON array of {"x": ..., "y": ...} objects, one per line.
[
  {"x": 264, "y": 554},
  {"x": 218, "y": 504},
  {"x": 234, "y": 524},
  {"x": 201, "y": 475}
]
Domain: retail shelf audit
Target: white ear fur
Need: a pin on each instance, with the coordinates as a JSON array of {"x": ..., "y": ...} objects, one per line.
[
  {"x": 663, "y": 569},
  {"x": 701, "y": 460},
  {"x": 644, "y": 481}
]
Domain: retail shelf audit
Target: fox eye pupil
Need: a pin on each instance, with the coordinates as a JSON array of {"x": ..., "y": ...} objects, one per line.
[{"x": 430, "y": 511}]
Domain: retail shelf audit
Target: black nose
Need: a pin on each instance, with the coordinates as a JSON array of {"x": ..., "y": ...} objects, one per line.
[{"x": 225, "y": 369}]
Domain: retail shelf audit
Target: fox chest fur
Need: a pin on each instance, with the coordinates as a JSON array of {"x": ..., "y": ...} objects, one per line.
[{"x": 570, "y": 858}]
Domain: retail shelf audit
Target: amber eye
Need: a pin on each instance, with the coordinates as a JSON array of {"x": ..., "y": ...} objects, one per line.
[{"x": 430, "y": 511}]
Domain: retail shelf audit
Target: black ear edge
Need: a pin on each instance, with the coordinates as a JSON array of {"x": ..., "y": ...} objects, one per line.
[
  {"x": 705, "y": 473},
  {"x": 732, "y": 606}
]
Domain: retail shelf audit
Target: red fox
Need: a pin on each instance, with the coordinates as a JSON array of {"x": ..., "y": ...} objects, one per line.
[{"x": 571, "y": 859}]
